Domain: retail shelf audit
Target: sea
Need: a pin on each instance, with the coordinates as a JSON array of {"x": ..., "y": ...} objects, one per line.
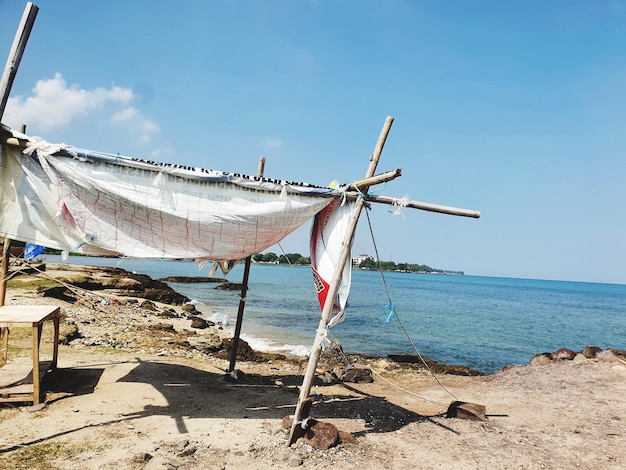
[{"x": 485, "y": 323}]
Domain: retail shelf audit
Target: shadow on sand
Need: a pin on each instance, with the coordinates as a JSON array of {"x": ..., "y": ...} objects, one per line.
[{"x": 195, "y": 393}]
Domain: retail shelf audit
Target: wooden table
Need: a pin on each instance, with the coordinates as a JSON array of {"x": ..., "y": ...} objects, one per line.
[{"x": 15, "y": 386}]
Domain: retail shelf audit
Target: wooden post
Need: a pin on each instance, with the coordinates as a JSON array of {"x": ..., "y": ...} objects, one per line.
[
  {"x": 5, "y": 269},
  {"x": 6, "y": 83},
  {"x": 334, "y": 287},
  {"x": 232, "y": 373},
  {"x": 17, "y": 50}
]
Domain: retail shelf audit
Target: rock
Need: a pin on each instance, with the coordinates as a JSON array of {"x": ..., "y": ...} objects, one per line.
[
  {"x": 464, "y": 410},
  {"x": 610, "y": 356},
  {"x": 190, "y": 309},
  {"x": 57, "y": 292},
  {"x": 294, "y": 460},
  {"x": 192, "y": 279},
  {"x": 244, "y": 351},
  {"x": 321, "y": 435},
  {"x": 200, "y": 323},
  {"x": 132, "y": 284},
  {"x": 210, "y": 343},
  {"x": 563, "y": 354},
  {"x": 356, "y": 374},
  {"x": 147, "y": 305},
  {"x": 347, "y": 438},
  {"x": 68, "y": 333},
  {"x": 142, "y": 458},
  {"x": 540, "y": 359},
  {"x": 287, "y": 422},
  {"x": 229, "y": 286},
  {"x": 590, "y": 352},
  {"x": 580, "y": 359}
]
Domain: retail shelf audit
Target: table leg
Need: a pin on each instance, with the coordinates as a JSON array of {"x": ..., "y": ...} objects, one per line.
[
  {"x": 4, "y": 344},
  {"x": 55, "y": 347},
  {"x": 36, "y": 338}
]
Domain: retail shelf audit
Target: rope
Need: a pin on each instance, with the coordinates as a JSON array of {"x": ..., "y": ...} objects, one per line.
[{"x": 392, "y": 312}]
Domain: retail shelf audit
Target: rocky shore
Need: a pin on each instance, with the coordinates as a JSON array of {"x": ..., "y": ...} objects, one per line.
[{"x": 143, "y": 383}]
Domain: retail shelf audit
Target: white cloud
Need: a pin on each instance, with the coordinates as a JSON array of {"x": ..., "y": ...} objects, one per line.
[
  {"x": 136, "y": 122},
  {"x": 272, "y": 143},
  {"x": 54, "y": 105}
]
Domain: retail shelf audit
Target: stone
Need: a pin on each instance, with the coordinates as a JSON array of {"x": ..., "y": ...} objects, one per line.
[
  {"x": 294, "y": 460},
  {"x": 563, "y": 354},
  {"x": 148, "y": 305},
  {"x": 347, "y": 438},
  {"x": 540, "y": 359},
  {"x": 199, "y": 322},
  {"x": 321, "y": 435},
  {"x": 590, "y": 352},
  {"x": 610, "y": 356},
  {"x": 356, "y": 374},
  {"x": 190, "y": 309},
  {"x": 210, "y": 343},
  {"x": 464, "y": 410},
  {"x": 580, "y": 359}
]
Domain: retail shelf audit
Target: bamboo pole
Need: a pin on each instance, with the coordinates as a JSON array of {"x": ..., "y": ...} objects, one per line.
[
  {"x": 17, "y": 50},
  {"x": 6, "y": 83},
  {"x": 232, "y": 373},
  {"x": 378, "y": 179},
  {"x": 4, "y": 271},
  {"x": 307, "y": 382},
  {"x": 425, "y": 206}
]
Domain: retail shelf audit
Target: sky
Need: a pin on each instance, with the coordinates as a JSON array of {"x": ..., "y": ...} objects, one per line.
[{"x": 514, "y": 109}]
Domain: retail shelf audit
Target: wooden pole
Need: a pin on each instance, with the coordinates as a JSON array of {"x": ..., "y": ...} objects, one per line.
[
  {"x": 425, "y": 206},
  {"x": 15, "y": 56},
  {"x": 334, "y": 288},
  {"x": 6, "y": 83},
  {"x": 232, "y": 373},
  {"x": 378, "y": 179},
  {"x": 5, "y": 269}
]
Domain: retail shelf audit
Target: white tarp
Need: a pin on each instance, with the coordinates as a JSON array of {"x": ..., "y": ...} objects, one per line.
[
  {"x": 104, "y": 204},
  {"x": 327, "y": 236}
]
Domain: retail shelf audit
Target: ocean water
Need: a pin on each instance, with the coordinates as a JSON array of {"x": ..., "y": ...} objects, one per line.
[{"x": 481, "y": 322}]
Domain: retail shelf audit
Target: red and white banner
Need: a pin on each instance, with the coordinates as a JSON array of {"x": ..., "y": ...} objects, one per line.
[{"x": 327, "y": 235}]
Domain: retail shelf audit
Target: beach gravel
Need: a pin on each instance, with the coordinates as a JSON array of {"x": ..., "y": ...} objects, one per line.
[{"x": 140, "y": 388}]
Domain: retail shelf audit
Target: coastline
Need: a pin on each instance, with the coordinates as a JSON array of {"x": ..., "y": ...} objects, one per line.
[{"x": 159, "y": 402}]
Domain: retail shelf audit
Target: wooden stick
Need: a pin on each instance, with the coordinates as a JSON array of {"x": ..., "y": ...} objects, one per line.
[
  {"x": 301, "y": 407},
  {"x": 17, "y": 50},
  {"x": 5, "y": 269},
  {"x": 378, "y": 179},
  {"x": 242, "y": 301},
  {"x": 425, "y": 206}
]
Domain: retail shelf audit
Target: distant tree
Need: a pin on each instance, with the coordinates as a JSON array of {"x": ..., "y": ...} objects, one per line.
[
  {"x": 368, "y": 263},
  {"x": 388, "y": 266},
  {"x": 303, "y": 261},
  {"x": 258, "y": 257},
  {"x": 270, "y": 257}
]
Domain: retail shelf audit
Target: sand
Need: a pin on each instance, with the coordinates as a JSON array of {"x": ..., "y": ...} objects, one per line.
[{"x": 119, "y": 401}]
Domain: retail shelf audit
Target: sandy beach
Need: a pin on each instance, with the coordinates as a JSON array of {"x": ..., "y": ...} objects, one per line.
[{"x": 137, "y": 388}]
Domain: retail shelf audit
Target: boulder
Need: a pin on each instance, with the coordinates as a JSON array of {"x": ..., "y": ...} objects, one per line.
[
  {"x": 356, "y": 373},
  {"x": 540, "y": 359},
  {"x": 563, "y": 354},
  {"x": 209, "y": 344},
  {"x": 464, "y": 410},
  {"x": 590, "y": 352},
  {"x": 321, "y": 435},
  {"x": 611, "y": 356},
  {"x": 200, "y": 323}
]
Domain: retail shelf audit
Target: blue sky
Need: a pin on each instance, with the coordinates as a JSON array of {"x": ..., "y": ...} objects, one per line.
[{"x": 516, "y": 109}]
